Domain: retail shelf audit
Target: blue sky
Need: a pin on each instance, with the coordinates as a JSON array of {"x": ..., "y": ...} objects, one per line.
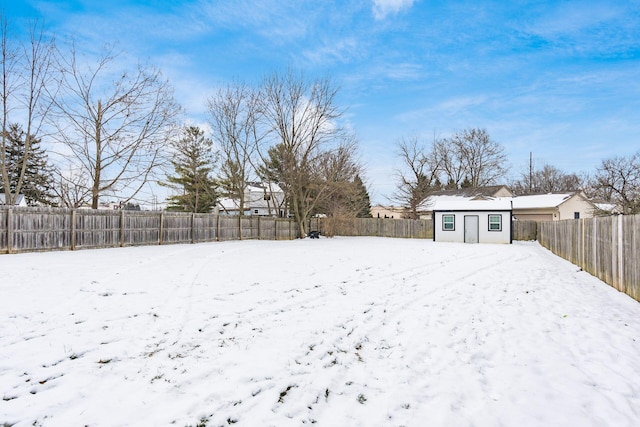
[{"x": 560, "y": 79}]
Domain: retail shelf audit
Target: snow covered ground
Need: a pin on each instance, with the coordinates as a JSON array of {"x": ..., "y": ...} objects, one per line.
[{"x": 337, "y": 332}]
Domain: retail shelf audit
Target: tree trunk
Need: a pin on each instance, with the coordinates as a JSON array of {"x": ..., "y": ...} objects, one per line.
[{"x": 95, "y": 189}]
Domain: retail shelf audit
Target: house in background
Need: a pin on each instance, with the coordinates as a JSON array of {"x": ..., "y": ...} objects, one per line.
[
  {"x": 20, "y": 200},
  {"x": 553, "y": 207},
  {"x": 606, "y": 208},
  {"x": 259, "y": 200},
  {"x": 380, "y": 211},
  {"x": 472, "y": 221},
  {"x": 531, "y": 207}
]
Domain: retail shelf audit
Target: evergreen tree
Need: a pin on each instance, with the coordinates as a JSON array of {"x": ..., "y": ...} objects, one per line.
[
  {"x": 362, "y": 200},
  {"x": 37, "y": 184},
  {"x": 193, "y": 162}
]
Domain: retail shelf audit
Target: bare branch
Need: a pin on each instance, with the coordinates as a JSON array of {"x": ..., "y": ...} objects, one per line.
[{"x": 116, "y": 132}]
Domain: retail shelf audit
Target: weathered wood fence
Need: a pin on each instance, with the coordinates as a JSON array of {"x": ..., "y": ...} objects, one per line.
[
  {"x": 606, "y": 247},
  {"x": 525, "y": 230},
  {"x": 42, "y": 229},
  {"x": 380, "y": 227}
]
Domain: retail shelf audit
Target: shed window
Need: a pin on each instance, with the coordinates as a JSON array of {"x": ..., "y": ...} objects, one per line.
[
  {"x": 495, "y": 222},
  {"x": 576, "y": 215},
  {"x": 448, "y": 222}
]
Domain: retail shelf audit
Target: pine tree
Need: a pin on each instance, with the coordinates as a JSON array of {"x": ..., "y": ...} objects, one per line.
[
  {"x": 193, "y": 162},
  {"x": 466, "y": 183},
  {"x": 37, "y": 184},
  {"x": 362, "y": 200}
]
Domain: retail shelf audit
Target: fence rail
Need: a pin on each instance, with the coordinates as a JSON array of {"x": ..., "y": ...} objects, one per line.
[{"x": 606, "y": 247}]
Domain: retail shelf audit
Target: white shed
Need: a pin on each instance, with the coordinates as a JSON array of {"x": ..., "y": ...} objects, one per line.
[{"x": 473, "y": 221}]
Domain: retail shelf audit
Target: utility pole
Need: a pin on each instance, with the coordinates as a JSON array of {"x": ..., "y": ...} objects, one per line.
[{"x": 530, "y": 171}]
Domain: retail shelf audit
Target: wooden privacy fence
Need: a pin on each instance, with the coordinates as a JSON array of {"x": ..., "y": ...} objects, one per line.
[
  {"x": 606, "y": 247},
  {"x": 525, "y": 230},
  {"x": 380, "y": 227},
  {"x": 41, "y": 229}
]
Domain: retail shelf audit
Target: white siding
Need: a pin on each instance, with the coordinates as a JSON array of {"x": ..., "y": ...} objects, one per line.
[
  {"x": 576, "y": 204},
  {"x": 484, "y": 235}
]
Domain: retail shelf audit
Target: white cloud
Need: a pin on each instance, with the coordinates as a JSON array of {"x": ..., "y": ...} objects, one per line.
[
  {"x": 341, "y": 51},
  {"x": 382, "y": 8}
]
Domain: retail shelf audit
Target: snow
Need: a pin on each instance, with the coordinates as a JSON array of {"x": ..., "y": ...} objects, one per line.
[
  {"x": 550, "y": 200},
  {"x": 336, "y": 332}
]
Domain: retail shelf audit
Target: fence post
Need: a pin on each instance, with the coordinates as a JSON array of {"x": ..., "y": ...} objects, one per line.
[
  {"x": 582, "y": 245},
  {"x": 73, "y": 230},
  {"x": 614, "y": 253},
  {"x": 239, "y": 227},
  {"x": 121, "y": 228},
  {"x": 9, "y": 230},
  {"x": 259, "y": 231},
  {"x": 621, "y": 285},
  {"x": 161, "y": 231},
  {"x": 193, "y": 227}
]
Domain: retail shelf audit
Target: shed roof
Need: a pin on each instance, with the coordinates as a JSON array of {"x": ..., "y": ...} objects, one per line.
[{"x": 466, "y": 204}]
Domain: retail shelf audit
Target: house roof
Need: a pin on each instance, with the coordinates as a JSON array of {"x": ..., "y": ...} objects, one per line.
[
  {"x": 467, "y": 204},
  {"x": 20, "y": 201},
  {"x": 537, "y": 201},
  {"x": 489, "y": 191},
  {"x": 607, "y": 207},
  {"x": 455, "y": 201},
  {"x": 462, "y": 195}
]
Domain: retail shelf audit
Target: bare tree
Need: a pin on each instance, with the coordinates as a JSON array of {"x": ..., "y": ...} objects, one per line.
[
  {"x": 302, "y": 116},
  {"x": 618, "y": 180},
  {"x": 114, "y": 125},
  {"x": 234, "y": 116},
  {"x": 472, "y": 155},
  {"x": 416, "y": 179},
  {"x": 338, "y": 173},
  {"x": 549, "y": 179},
  {"x": 25, "y": 76},
  {"x": 72, "y": 189},
  {"x": 451, "y": 161}
]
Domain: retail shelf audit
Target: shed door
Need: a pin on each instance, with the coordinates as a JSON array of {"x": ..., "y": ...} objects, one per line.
[{"x": 471, "y": 228}]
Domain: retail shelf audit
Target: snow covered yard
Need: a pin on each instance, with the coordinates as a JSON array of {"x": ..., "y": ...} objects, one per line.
[{"x": 337, "y": 332}]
